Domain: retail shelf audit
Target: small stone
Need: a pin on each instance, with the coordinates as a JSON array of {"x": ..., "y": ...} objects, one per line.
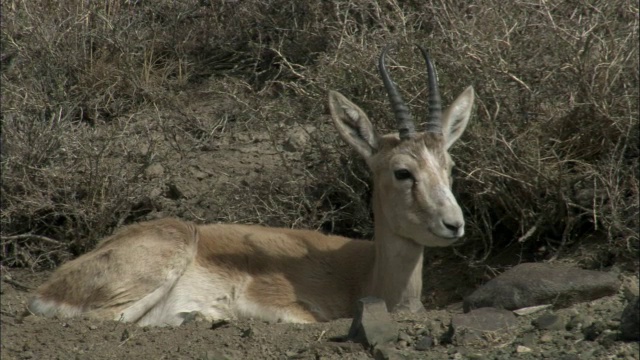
[
  {"x": 386, "y": 353},
  {"x": 155, "y": 192},
  {"x": 472, "y": 328},
  {"x": 296, "y": 140},
  {"x": 579, "y": 322},
  {"x": 372, "y": 324},
  {"x": 199, "y": 174},
  {"x": 546, "y": 338},
  {"x": 529, "y": 339},
  {"x": 550, "y": 322},
  {"x": 425, "y": 343},
  {"x": 402, "y": 336},
  {"x": 248, "y": 332},
  {"x": 154, "y": 171},
  {"x": 630, "y": 321},
  {"x": 593, "y": 331},
  {"x": 520, "y": 349},
  {"x": 93, "y": 327},
  {"x": 630, "y": 288}
]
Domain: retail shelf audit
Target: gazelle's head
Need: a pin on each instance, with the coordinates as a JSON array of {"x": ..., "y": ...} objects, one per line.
[{"x": 411, "y": 169}]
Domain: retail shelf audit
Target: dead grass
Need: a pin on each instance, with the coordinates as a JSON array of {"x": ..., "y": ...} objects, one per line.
[{"x": 93, "y": 93}]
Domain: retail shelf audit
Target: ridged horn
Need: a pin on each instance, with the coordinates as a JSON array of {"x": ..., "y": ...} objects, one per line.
[
  {"x": 406, "y": 128},
  {"x": 434, "y": 120}
]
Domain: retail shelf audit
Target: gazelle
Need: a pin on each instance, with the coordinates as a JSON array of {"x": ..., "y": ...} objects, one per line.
[{"x": 158, "y": 272}]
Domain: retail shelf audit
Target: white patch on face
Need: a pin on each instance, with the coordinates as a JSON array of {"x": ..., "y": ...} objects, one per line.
[{"x": 432, "y": 167}]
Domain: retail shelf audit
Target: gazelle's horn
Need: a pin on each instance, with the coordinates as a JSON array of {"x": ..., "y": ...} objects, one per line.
[
  {"x": 406, "y": 128},
  {"x": 434, "y": 121}
]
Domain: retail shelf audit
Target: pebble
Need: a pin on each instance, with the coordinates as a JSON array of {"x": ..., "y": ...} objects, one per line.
[
  {"x": 425, "y": 343},
  {"x": 550, "y": 322},
  {"x": 402, "y": 336},
  {"x": 546, "y": 338},
  {"x": 520, "y": 349}
]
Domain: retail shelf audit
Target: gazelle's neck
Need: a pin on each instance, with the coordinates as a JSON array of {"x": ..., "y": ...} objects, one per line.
[{"x": 396, "y": 276}]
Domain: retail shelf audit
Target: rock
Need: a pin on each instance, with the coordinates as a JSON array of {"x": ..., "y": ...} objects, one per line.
[
  {"x": 154, "y": 171},
  {"x": 425, "y": 343},
  {"x": 386, "y": 353},
  {"x": 546, "y": 338},
  {"x": 248, "y": 332},
  {"x": 199, "y": 174},
  {"x": 372, "y": 324},
  {"x": 630, "y": 288},
  {"x": 479, "y": 325},
  {"x": 297, "y": 139},
  {"x": 528, "y": 339},
  {"x": 579, "y": 322},
  {"x": 594, "y": 330},
  {"x": 402, "y": 336},
  {"x": 531, "y": 284},
  {"x": 629, "y": 321},
  {"x": 520, "y": 349},
  {"x": 550, "y": 322}
]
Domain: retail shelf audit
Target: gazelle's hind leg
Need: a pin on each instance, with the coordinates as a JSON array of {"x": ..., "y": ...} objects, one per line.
[{"x": 124, "y": 277}]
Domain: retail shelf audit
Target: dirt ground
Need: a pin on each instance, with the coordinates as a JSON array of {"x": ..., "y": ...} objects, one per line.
[{"x": 41, "y": 338}]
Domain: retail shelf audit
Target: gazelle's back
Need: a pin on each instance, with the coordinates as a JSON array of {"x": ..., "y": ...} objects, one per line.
[{"x": 157, "y": 272}]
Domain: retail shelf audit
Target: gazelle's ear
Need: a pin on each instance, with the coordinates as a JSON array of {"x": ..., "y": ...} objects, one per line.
[
  {"x": 457, "y": 116},
  {"x": 353, "y": 125}
]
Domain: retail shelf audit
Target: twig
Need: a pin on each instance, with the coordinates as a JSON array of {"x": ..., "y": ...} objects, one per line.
[
  {"x": 18, "y": 285},
  {"x": 528, "y": 234},
  {"x": 32, "y": 236},
  {"x": 6, "y": 313}
]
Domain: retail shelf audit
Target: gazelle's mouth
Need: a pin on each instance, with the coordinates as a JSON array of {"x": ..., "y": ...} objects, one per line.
[
  {"x": 449, "y": 237},
  {"x": 435, "y": 239}
]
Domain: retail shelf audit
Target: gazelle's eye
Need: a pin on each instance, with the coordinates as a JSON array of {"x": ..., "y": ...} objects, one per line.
[{"x": 403, "y": 174}]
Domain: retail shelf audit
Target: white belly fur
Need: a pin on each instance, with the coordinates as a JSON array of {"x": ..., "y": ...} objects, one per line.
[{"x": 207, "y": 293}]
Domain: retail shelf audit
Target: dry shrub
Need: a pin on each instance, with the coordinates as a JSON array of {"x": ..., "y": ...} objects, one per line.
[{"x": 550, "y": 157}]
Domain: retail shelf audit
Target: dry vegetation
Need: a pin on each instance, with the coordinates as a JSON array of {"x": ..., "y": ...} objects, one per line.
[{"x": 93, "y": 93}]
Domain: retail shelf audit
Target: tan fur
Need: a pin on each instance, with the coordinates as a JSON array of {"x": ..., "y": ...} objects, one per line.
[{"x": 160, "y": 271}]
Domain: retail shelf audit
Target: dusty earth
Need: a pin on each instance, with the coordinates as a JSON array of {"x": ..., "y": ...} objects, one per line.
[{"x": 41, "y": 338}]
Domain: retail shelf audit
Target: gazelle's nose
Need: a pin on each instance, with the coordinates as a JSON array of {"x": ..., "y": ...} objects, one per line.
[{"x": 456, "y": 227}]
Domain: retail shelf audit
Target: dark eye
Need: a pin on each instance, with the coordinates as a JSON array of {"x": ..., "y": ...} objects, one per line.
[{"x": 403, "y": 174}]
